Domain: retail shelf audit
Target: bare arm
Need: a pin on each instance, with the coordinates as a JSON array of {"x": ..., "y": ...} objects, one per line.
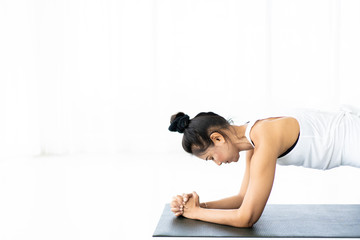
[
  {"x": 262, "y": 171},
  {"x": 262, "y": 175},
  {"x": 235, "y": 201}
]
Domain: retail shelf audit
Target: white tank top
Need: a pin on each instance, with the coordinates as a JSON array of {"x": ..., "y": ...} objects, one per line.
[{"x": 326, "y": 140}]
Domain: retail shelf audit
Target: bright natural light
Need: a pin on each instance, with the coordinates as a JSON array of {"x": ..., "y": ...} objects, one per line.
[{"x": 87, "y": 89}]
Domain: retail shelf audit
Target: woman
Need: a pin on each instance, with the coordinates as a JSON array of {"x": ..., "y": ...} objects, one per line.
[{"x": 313, "y": 139}]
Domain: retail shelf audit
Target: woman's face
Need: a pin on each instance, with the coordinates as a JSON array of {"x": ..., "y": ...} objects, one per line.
[{"x": 221, "y": 152}]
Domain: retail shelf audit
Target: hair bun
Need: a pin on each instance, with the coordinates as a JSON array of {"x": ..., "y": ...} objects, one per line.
[{"x": 179, "y": 122}]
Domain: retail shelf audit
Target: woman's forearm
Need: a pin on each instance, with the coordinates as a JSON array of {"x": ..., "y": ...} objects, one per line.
[
  {"x": 231, "y": 217},
  {"x": 233, "y": 202}
]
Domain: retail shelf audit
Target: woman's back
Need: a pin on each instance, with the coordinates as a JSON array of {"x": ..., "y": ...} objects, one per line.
[{"x": 326, "y": 140}]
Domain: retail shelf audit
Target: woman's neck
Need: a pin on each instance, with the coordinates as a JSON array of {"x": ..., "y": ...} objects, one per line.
[{"x": 240, "y": 140}]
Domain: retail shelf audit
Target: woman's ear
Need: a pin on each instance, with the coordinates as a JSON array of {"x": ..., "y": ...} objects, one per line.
[{"x": 217, "y": 138}]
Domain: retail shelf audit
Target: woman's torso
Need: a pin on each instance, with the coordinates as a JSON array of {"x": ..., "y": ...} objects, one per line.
[{"x": 326, "y": 139}]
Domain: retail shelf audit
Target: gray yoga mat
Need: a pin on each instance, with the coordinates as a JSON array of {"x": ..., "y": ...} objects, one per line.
[{"x": 277, "y": 220}]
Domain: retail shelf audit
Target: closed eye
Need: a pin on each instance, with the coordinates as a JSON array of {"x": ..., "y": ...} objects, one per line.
[{"x": 209, "y": 158}]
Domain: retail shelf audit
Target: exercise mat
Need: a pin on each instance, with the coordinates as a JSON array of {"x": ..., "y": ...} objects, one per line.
[{"x": 277, "y": 220}]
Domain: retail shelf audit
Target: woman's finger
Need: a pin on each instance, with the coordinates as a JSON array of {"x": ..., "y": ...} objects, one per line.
[
  {"x": 174, "y": 203},
  {"x": 186, "y": 197},
  {"x": 179, "y": 199},
  {"x": 175, "y": 210}
]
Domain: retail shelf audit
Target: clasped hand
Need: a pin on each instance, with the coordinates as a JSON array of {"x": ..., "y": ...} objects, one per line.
[{"x": 185, "y": 204}]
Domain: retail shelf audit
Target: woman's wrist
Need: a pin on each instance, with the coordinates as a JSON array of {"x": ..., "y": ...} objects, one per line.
[{"x": 203, "y": 205}]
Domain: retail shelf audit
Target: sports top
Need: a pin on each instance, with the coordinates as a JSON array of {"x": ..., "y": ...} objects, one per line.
[{"x": 326, "y": 140}]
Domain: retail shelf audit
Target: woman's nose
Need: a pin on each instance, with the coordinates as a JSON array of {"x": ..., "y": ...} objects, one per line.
[{"x": 218, "y": 162}]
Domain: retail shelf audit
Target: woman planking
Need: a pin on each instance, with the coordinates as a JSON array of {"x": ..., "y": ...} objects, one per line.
[{"x": 312, "y": 139}]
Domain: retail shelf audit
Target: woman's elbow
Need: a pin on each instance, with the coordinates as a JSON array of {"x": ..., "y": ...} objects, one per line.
[
  {"x": 246, "y": 221},
  {"x": 243, "y": 225}
]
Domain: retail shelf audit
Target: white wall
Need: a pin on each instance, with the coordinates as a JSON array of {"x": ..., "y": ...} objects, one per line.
[
  {"x": 85, "y": 76},
  {"x": 104, "y": 76}
]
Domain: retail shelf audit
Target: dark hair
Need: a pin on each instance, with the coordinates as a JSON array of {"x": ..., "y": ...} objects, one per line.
[{"x": 197, "y": 131}]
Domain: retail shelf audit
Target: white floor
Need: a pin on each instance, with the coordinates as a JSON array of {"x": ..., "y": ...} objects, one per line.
[{"x": 122, "y": 196}]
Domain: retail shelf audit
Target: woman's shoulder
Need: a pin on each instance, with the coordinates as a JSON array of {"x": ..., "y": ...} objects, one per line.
[
  {"x": 272, "y": 123},
  {"x": 274, "y": 129},
  {"x": 265, "y": 129}
]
